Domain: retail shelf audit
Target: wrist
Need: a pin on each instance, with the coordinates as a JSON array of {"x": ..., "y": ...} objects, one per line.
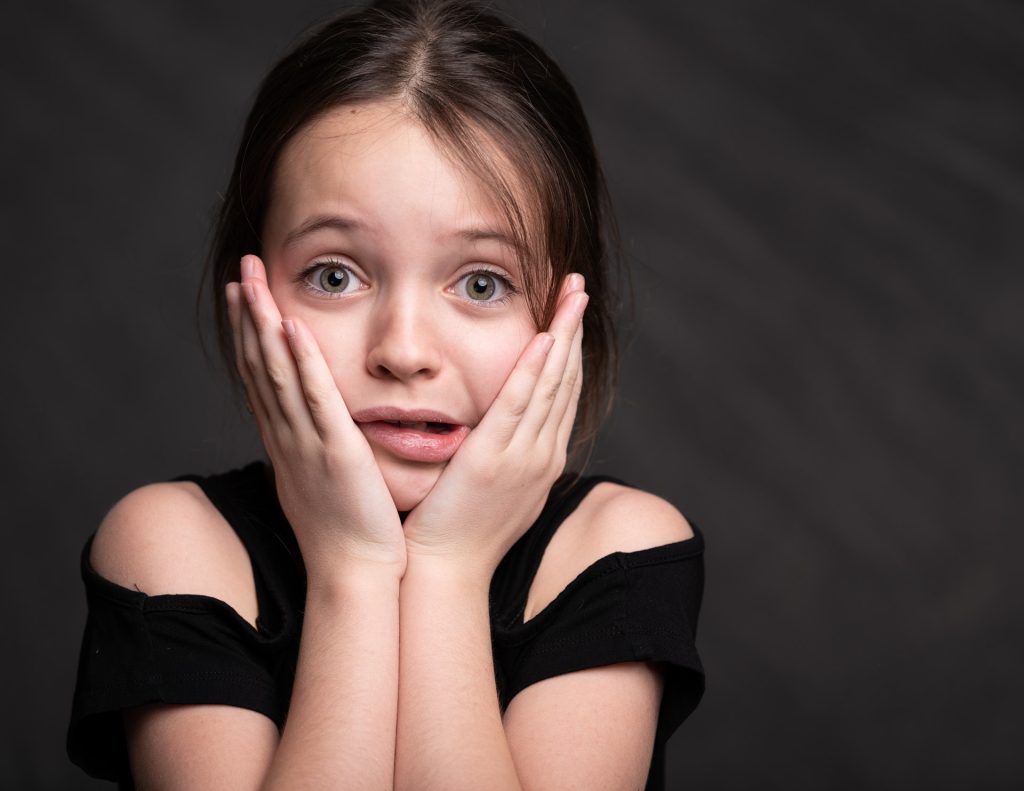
[
  {"x": 334, "y": 557},
  {"x": 448, "y": 570},
  {"x": 352, "y": 578}
]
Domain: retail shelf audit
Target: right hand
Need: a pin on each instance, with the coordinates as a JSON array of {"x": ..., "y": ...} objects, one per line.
[{"x": 327, "y": 479}]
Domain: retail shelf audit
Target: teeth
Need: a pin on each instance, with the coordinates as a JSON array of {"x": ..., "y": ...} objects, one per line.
[{"x": 432, "y": 428}]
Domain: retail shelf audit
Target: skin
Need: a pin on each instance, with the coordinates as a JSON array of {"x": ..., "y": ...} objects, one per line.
[
  {"x": 405, "y": 334},
  {"x": 395, "y": 683}
]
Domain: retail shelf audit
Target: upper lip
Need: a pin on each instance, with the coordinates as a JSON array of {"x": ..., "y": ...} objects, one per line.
[{"x": 405, "y": 415}]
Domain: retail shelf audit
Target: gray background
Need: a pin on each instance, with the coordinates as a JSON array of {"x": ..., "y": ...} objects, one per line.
[{"x": 822, "y": 203}]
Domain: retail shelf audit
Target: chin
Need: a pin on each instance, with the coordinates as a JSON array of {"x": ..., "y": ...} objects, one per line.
[{"x": 407, "y": 483}]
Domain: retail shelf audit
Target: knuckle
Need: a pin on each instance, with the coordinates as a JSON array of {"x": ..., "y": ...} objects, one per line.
[
  {"x": 572, "y": 378},
  {"x": 318, "y": 412},
  {"x": 517, "y": 408},
  {"x": 318, "y": 405},
  {"x": 315, "y": 397},
  {"x": 253, "y": 359},
  {"x": 278, "y": 378}
]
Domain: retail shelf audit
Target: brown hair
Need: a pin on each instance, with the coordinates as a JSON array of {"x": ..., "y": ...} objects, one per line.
[{"x": 463, "y": 73}]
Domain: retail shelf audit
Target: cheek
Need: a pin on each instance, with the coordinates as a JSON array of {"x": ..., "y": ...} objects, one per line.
[
  {"x": 338, "y": 335},
  {"x": 487, "y": 358},
  {"x": 341, "y": 344}
]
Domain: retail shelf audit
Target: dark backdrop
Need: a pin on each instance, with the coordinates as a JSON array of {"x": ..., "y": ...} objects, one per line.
[{"x": 823, "y": 206}]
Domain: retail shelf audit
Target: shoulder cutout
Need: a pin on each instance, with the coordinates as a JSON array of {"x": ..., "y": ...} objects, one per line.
[
  {"x": 167, "y": 538},
  {"x": 611, "y": 518}
]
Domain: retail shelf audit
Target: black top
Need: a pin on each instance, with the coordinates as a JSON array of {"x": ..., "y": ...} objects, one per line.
[{"x": 137, "y": 649}]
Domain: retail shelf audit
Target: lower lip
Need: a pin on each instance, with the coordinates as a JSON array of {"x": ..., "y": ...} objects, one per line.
[{"x": 408, "y": 443}]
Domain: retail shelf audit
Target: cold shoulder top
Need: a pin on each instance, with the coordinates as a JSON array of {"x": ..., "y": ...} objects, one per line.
[{"x": 194, "y": 649}]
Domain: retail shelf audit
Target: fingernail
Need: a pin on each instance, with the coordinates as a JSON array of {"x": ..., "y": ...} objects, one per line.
[
  {"x": 289, "y": 327},
  {"x": 248, "y": 266},
  {"x": 577, "y": 282},
  {"x": 547, "y": 341},
  {"x": 581, "y": 302},
  {"x": 250, "y": 293}
]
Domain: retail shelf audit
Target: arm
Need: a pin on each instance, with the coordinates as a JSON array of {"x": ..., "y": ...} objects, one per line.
[
  {"x": 450, "y": 734},
  {"x": 591, "y": 729},
  {"x": 594, "y": 728},
  {"x": 340, "y": 730},
  {"x": 348, "y": 652},
  {"x": 450, "y": 730}
]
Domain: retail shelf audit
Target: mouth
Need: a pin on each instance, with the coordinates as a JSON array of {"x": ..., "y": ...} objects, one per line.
[
  {"x": 430, "y": 420},
  {"x": 413, "y": 435},
  {"x": 426, "y": 426}
]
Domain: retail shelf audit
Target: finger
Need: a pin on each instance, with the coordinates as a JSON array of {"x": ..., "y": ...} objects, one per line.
[
  {"x": 569, "y": 377},
  {"x": 553, "y": 380},
  {"x": 568, "y": 419},
  {"x": 506, "y": 411},
  {"x": 568, "y": 384},
  {"x": 519, "y": 390},
  {"x": 235, "y": 309},
  {"x": 574, "y": 281},
  {"x": 278, "y": 376},
  {"x": 252, "y": 357},
  {"x": 327, "y": 409}
]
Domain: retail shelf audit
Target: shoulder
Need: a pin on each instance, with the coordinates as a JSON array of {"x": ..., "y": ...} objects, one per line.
[
  {"x": 617, "y": 518},
  {"x": 167, "y": 538},
  {"x": 597, "y": 725},
  {"x": 611, "y": 518}
]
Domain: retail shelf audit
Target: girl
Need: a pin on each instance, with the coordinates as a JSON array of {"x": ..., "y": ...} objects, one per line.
[{"x": 409, "y": 275}]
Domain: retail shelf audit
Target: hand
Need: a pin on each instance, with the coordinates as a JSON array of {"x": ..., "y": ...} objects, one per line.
[
  {"x": 327, "y": 480},
  {"x": 496, "y": 484}
]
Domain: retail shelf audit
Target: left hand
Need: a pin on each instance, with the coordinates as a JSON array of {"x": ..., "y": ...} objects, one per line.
[{"x": 496, "y": 484}]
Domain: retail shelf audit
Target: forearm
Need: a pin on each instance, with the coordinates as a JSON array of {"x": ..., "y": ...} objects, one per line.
[
  {"x": 340, "y": 731},
  {"x": 450, "y": 733}
]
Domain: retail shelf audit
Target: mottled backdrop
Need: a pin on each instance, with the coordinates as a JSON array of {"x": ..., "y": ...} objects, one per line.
[{"x": 823, "y": 205}]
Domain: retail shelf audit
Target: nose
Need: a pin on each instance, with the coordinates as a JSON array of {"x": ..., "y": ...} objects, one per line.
[{"x": 404, "y": 343}]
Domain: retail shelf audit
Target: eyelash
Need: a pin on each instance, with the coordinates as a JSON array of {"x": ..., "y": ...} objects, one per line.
[
  {"x": 302, "y": 279},
  {"x": 510, "y": 287},
  {"x": 330, "y": 263}
]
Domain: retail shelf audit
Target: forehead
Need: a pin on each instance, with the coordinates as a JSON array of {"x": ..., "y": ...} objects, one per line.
[{"x": 377, "y": 162}]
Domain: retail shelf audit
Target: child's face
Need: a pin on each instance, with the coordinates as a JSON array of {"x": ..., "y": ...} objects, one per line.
[{"x": 402, "y": 313}]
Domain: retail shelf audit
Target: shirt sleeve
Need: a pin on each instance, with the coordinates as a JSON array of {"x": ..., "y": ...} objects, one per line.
[
  {"x": 138, "y": 649},
  {"x": 626, "y": 607}
]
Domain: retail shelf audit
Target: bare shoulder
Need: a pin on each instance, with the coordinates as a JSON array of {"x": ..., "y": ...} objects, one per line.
[
  {"x": 616, "y": 518},
  {"x": 611, "y": 518},
  {"x": 166, "y": 538}
]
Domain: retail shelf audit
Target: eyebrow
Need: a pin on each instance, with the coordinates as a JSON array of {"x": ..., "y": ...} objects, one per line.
[
  {"x": 487, "y": 235},
  {"x": 319, "y": 223},
  {"x": 339, "y": 223}
]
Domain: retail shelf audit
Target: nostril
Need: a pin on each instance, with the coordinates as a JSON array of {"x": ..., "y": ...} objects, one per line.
[{"x": 403, "y": 365}]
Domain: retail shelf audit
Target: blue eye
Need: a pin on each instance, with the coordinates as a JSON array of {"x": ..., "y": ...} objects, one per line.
[
  {"x": 330, "y": 278},
  {"x": 485, "y": 287}
]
